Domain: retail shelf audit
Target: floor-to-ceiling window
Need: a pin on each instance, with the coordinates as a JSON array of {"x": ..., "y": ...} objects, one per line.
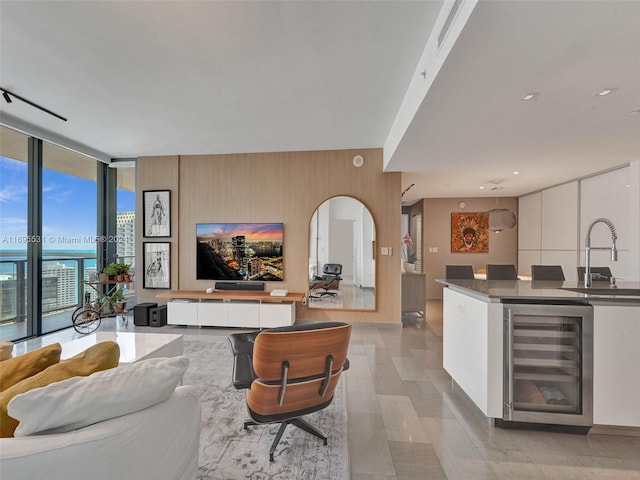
[
  {"x": 70, "y": 240},
  {"x": 52, "y": 196},
  {"x": 13, "y": 234},
  {"x": 126, "y": 221}
]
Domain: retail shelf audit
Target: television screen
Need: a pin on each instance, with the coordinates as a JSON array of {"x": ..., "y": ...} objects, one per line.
[{"x": 239, "y": 251}]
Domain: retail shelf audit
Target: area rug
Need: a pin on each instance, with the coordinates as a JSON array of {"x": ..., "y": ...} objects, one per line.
[
  {"x": 327, "y": 301},
  {"x": 228, "y": 452}
]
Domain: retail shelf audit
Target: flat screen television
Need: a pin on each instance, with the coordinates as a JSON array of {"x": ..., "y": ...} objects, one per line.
[{"x": 239, "y": 251}]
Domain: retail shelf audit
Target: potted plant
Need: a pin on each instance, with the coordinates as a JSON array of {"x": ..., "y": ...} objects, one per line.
[
  {"x": 122, "y": 272},
  {"x": 118, "y": 300},
  {"x": 110, "y": 272},
  {"x": 117, "y": 272},
  {"x": 409, "y": 257}
]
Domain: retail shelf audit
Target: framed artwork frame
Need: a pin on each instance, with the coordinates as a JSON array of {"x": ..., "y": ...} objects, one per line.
[
  {"x": 157, "y": 264},
  {"x": 156, "y": 213},
  {"x": 469, "y": 232}
]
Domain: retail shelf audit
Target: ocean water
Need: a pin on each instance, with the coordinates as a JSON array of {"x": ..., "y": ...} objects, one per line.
[{"x": 9, "y": 257}]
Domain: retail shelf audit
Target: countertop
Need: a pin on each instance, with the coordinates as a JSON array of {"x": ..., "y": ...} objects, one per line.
[
  {"x": 505, "y": 290},
  {"x": 247, "y": 295}
]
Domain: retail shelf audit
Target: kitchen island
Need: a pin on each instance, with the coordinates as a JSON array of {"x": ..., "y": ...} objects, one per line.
[{"x": 474, "y": 351}]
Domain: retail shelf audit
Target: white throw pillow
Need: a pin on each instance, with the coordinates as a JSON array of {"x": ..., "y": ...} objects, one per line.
[{"x": 80, "y": 401}]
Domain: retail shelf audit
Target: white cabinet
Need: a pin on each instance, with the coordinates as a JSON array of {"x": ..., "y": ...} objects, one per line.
[
  {"x": 607, "y": 195},
  {"x": 213, "y": 314},
  {"x": 616, "y": 357},
  {"x": 182, "y": 313},
  {"x": 230, "y": 313},
  {"x": 277, "y": 314},
  {"x": 472, "y": 348},
  {"x": 560, "y": 217},
  {"x": 242, "y": 314},
  {"x": 529, "y": 231}
]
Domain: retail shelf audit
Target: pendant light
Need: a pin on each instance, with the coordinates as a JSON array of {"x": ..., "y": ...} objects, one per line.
[{"x": 500, "y": 218}]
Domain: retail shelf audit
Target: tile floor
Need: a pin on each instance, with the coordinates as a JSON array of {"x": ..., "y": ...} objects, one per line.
[{"x": 407, "y": 422}]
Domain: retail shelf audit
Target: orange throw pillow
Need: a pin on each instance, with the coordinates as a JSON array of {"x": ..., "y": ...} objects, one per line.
[
  {"x": 18, "y": 368},
  {"x": 102, "y": 356}
]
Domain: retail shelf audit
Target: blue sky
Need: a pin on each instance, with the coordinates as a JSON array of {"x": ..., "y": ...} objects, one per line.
[{"x": 69, "y": 208}]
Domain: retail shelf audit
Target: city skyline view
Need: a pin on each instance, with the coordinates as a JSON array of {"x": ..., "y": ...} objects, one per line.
[
  {"x": 69, "y": 209},
  {"x": 239, "y": 251}
]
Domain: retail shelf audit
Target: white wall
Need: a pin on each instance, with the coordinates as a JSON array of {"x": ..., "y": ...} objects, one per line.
[
  {"x": 367, "y": 278},
  {"x": 554, "y": 222},
  {"x": 634, "y": 227},
  {"x": 319, "y": 234}
]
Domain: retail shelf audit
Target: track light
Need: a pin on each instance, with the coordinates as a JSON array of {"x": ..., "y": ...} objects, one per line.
[
  {"x": 406, "y": 190},
  {"x": 7, "y": 96}
]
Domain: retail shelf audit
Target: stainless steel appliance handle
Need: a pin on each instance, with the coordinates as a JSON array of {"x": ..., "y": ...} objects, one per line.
[{"x": 510, "y": 363}]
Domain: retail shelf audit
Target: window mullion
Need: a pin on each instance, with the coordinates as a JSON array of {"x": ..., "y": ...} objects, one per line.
[{"x": 34, "y": 232}]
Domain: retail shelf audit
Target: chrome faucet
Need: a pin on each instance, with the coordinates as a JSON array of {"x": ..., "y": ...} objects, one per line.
[{"x": 588, "y": 248}]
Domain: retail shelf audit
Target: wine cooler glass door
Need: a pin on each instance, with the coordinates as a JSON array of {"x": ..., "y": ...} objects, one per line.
[{"x": 548, "y": 367}]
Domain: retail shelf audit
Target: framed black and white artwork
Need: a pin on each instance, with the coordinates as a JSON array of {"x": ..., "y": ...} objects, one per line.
[
  {"x": 156, "y": 210},
  {"x": 157, "y": 264}
]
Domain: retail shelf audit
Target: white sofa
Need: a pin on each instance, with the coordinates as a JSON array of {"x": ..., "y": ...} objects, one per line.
[{"x": 158, "y": 442}]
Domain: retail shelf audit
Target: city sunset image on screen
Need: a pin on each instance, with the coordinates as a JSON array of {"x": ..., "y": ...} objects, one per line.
[{"x": 239, "y": 251}]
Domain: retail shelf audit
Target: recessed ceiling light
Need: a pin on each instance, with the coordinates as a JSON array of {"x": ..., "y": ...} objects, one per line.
[
  {"x": 529, "y": 96},
  {"x": 516, "y": 173},
  {"x": 482, "y": 188},
  {"x": 606, "y": 91}
]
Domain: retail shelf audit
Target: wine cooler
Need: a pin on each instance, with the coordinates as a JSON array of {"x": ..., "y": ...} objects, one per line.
[{"x": 548, "y": 371}]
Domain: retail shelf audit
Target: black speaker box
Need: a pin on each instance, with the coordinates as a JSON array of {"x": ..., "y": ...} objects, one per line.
[
  {"x": 253, "y": 286},
  {"x": 141, "y": 313},
  {"x": 158, "y": 316}
]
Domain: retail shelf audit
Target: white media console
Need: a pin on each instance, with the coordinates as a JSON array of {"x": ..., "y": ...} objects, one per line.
[{"x": 230, "y": 309}]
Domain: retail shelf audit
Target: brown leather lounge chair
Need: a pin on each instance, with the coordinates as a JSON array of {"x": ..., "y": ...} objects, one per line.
[
  {"x": 289, "y": 372},
  {"x": 321, "y": 289},
  {"x": 330, "y": 280}
]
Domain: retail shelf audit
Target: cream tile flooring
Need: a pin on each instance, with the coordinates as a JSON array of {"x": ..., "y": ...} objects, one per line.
[{"x": 406, "y": 422}]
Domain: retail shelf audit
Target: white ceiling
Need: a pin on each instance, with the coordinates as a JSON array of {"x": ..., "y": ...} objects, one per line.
[{"x": 139, "y": 78}]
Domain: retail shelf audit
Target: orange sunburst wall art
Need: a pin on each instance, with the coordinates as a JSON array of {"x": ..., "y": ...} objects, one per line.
[{"x": 469, "y": 232}]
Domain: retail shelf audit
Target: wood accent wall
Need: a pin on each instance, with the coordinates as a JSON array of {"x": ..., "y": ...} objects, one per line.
[
  {"x": 282, "y": 187},
  {"x": 156, "y": 173}
]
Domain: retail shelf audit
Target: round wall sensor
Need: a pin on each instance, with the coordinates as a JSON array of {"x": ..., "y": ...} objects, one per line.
[
  {"x": 462, "y": 204},
  {"x": 358, "y": 161}
]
